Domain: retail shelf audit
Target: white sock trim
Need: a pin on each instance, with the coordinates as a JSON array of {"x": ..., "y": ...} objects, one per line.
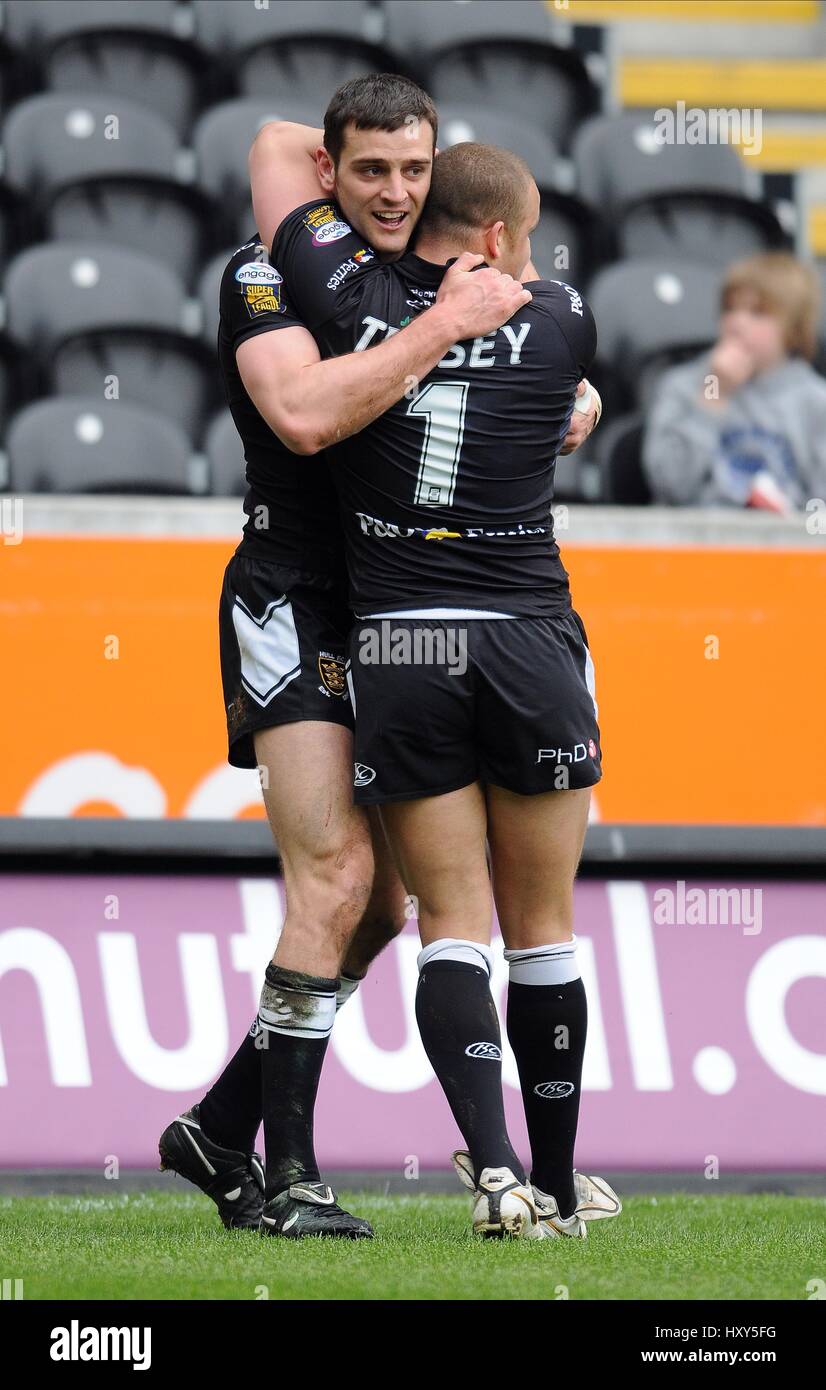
[
  {"x": 454, "y": 948},
  {"x": 556, "y": 964},
  {"x": 314, "y": 1018},
  {"x": 346, "y": 987}
]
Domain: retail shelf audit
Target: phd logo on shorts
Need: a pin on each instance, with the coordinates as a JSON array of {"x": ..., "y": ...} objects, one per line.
[
  {"x": 364, "y": 775},
  {"x": 488, "y": 1051},
  {"x": 577, "y": 754},
  {"x": 554, "y": 1090}
]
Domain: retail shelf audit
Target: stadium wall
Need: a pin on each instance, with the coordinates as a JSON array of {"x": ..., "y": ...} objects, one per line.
[
  {"x": 122, "y": 995},
  {"x": 701, "y": 631},
  {"x": 705, "y": 971}
]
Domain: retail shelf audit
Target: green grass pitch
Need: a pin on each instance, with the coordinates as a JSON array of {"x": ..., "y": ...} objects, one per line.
[{"x": 171, "y": 1246}]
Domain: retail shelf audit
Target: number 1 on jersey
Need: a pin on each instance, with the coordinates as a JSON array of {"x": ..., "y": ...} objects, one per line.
[{"x": 442, "y": 404}]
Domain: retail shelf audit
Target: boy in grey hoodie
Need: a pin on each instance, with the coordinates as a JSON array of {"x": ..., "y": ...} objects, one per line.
[{"x": 744, "y": 425}]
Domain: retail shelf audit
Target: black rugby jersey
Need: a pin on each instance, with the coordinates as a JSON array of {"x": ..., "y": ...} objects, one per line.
[
  {"x": 292, "y": 514},
  {"x": 446, "y": 498}
]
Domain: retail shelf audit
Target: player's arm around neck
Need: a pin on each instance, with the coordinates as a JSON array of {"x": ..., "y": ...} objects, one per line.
[
  {"x": 312, "y": 404},
  {"x": 283, "y": 173}
]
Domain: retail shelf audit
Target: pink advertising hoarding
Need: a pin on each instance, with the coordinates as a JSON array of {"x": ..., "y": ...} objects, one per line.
[{"x": 122, "y": 996}]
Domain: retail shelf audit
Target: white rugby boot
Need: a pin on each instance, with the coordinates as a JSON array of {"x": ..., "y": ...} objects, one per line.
[
  {"x": 596, "y": 1200},
  {"x": 502, "y": 1206},
  {"x": 552, "y": 1224}
]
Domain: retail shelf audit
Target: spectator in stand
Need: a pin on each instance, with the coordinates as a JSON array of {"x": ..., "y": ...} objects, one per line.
[{"x": 744, "y": 425}]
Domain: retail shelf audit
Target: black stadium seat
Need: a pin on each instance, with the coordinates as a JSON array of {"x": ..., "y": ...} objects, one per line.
[
  {"x": 649, "y": 315},
  {"x": 14, "y": 222},
  {"x": 13, "y": 373},
  {"x": 722, "y": 228},
  {"x": 695, "y": 201},
  {"x": 222, "y": 140},
  {"x": 105, "y": 446},
  {"x": 226, "y": 457},
  {"x": 458, "y": 123},
  {"x": 292, "y": 49},
  {"x": 40, "y": 21},
  {"x": 501, "y": 56},
  {"x": 208, "y": 291},
  {"x": 566, "y": 242},
  {"x": 90, "y": 285},
  {"x": 618, "y": 449},
  {"x": 417, "y": 28},
  {"x": 87, "y": 184},
  {"x": 544, "y": 88},
  {"x": 619, "y": 158},
  {"x": 222, "y": 27},
  {"x": 129, "y": 48},
  {"x": 113, "y": 319},
  {"x": 17, "y": 77}
]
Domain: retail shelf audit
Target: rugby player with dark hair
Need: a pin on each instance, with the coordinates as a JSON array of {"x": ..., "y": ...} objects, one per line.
[
  {"x": 283, "y": 623},
  {"x": 446, "y": 509},
  {"x": 284, "y": 620}
]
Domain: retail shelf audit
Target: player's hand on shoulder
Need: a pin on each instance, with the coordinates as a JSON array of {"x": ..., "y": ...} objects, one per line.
[{"x": 481, "y": 300}]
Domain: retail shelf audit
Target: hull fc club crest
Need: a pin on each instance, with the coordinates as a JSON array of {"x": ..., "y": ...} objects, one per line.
[{"x": 331, "y": 670}]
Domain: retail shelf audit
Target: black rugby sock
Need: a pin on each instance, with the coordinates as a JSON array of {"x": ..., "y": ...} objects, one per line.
[
  {"x": 459, "y": 1027},
  {"x": 296, "y": 1017},
  {"x": 547, "y": 1027},
  {"x": 230, "y": 1112}
]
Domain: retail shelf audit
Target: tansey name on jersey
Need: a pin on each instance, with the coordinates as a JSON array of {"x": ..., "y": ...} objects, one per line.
[{"x": 482, "y": 351}]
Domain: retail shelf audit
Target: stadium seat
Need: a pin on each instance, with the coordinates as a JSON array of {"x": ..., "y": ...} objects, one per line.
[
  {"x": 225, "y": 454},
  {"x": 209, "y": 289},
  {"x": 566, "y": 244},
  {"x": 118, "y": 47},
  {"x": 568, "y": 478},
  {"x": 17, "y": 77},
  {"x": 695, "y": 201},
  {"x": 91, "y": 286},
  {"x": 650, "y": 314},
  {"x": 565, "y": 221},
  {"x": 105, "y": 446},
  {"x": 721, "y": 228},
  {"x": 618, "y": 159},
  {"x": 414, "y": 29},
  {"x": 11, "y": 379},
  {"x": 619, "y": 453},
  {"x": 222, "y": 140},
  {"x": 545, "y": 89},
  {"x": 85, "y": 183},
  {"x": 500, "y": 56},
  {"x": 13, "y": 221},
  {"x": 458, "y": 123},
  {"x": 113, "y": 319},
  {"x": 292, "y": 49}
]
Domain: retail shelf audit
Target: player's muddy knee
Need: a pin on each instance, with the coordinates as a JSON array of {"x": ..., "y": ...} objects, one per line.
[{"x": 334, "y": 890}]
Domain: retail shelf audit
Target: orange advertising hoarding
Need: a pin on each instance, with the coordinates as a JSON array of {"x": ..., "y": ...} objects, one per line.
[{"x": 711, "y": 681}]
